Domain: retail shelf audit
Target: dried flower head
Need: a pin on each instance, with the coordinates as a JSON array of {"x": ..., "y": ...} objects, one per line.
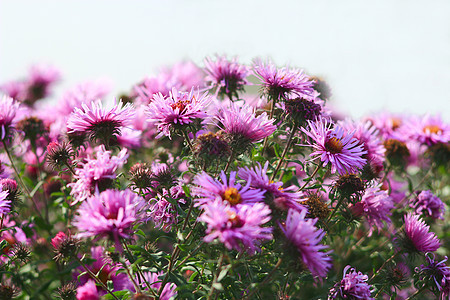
[
  {"x": 8, "y": 292},
  {"x": 349, "y": 186},
  {"x": 397, "y": 153},
  {"x": 10, "y": 186},
  {"x": 59, "y": 154},
  {"x": 211, "y": 147},
  {"x": 317, "y": 207},
  {"x": 65, "y": 246},
  {"x": 33, "y": 128},
  {"x": 67, "y": 291},
  {"x": 301, "y": 110},
  {"x": 21, "y": 252},
  {"x": 141, "y": 176}
]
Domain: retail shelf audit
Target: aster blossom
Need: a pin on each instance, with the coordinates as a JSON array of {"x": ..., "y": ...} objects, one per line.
[
  {"x": 5, "y": 204},
  {"x": 279, "y": 83},
  {"x": 418, "y": 238},
  {"x": 304, "y": 237},
  {"x": 177, "y": 111},
  {"x": 238, "y": 227},
  {"x": 427, "y": 130},
  {"x": 436, "y": 274},
  {"x": 96, "y": 175},
  {"x": 352, "y": 286},
  {"x": 427, "y": 203},
  {"x": 228, "y": 76},
  {"x": 210, "y": 189},
  {"x": 243, "y": 126},
  {"x": 169, "y": 290},
  {"x": 375, "y": 206},
  {"x": 283, "y": 198},
  {"x": 98, "y": 122},
  {"x": 111, "y": 214},
  {"x": 8, "y": 111},
  {"x": 335, "y": 146}
]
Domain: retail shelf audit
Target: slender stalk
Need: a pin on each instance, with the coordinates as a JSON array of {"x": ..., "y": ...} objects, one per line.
[
  {"x": 24, "y": 187},
  {"x": 266, "y": 280},
  {"x": 230, "y": 160},
  {"x": 310, "y": 178},
  {"x": 219, "y": 267},
  {"x": 188, "y": 140},
  {"x": 95, "y": 277},
  {"x": 189, "y": 255},
  {"x": 382, "y": 266},
  {"x": 70, "y": 168},
  {"x": 416, "y": 293},
  {"x": 272, "y": 110},
  {"x": 286, "y": 149},
  {"x": 341, "y": 199}
]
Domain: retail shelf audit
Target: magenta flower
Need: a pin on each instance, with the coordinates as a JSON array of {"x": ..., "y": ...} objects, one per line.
[
  {"x": 243, "y": 126},
  {"x": 281, "y": 83},
  {"x": 111, "y": 214},
  {"x": 237, "y": 227},
  {"x": 336, "y": 147},
  {"x": 178, "y": 111},
  {"x": 282, "y": 198},
  {"x": 418, "y": 236},
  {"x": 96, "y": 175},
  {"x": 388, "y": 125},
  {"x": 88, "y": 291},
  {"x": 162, "y": 212},
  {"x": 352, "y": 286},
  {"x": 428, "y": 130},
  {"x": 227, "y": 76},
  {"x": 5, "y": 203},
  {"x": 375, "y": 206},
  {"x": 305, "y": 237},
  {"x": 100, "y": 123},
  {"x": 367, "y": 135},
  {"x": 428, "y": 204},
  {"x": 169, "y": 290},
  {"x": 8, "y": 110},
  {"x": 82, "y": 93},
  {"x": 210, "y": 189}
]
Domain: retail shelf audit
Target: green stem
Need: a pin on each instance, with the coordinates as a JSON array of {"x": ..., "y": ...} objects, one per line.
[
  {"x": 216, "y": 275},
  {"x": 266, "y": 280},
  {"x": 230, "y": 160},
  {"x": 382, "y": 266},
  {"x": 95, "y": 277},
  {"x": 310, "y": 178},
  {"x": 283, "y": 155},
  {"x": 188, "y": 141}
]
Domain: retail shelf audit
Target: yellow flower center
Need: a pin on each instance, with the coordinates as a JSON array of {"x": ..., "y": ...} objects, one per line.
[
  {"x": 432, "y": 129},
  {"x": 234, "y": 219},
  {"x": 395, "y": 123},
  {"x": 334, "y": 145},
  {"x": 232, "y": 195}
]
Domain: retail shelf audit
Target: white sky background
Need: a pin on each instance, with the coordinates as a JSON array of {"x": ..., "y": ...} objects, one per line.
[{"x": 374, "y": 54}]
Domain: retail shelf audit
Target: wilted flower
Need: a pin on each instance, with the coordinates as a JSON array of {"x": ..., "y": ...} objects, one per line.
[
  {"x": 335, "y": 146},
  {"x": 304, "y": 238},
  {"x": 397, "y": 153},
  {"x": 352, "y": 286},
  {"x": 301, "y": 110},
  {"x": 141, "y": 176},
  {"x": 238, "y": 227},
  {"x": 169, "y": 290},
  {"x": 349, "y": 186},
  {"x": 428, "y": 204},
  {"x": 67, "y": 291},
  {"x": 162, "y": 212}
]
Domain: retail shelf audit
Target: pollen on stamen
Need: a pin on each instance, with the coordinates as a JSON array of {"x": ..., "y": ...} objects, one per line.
[
  {"x": 334, "y": 145},
  {"x": 232, "y": 195}
]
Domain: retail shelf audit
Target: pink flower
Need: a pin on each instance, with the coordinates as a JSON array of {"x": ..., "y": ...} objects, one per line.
[
  {"x": 88, "y": 291},
  {"x": 8, "y": 110},
  {"x": 418, "y": 236}
]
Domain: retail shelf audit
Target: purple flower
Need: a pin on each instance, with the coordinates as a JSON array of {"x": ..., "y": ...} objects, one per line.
[
  {"x": 418, "y": 236},
  {"x": 243, "y": 126},
  {"x": 283, "y": 198},
  {"x": 5, "y": 204},
  {"x": 98, "y": 122},
  {"x": 436, "y": 274},
  {"x": 111, "y": 214},
  {"x": 210, "y": 189},
  {"x": 367, "y": 135},
  {"x": 376, "y": 206},
  {"x": 352, "y": 286},
  {"x": 177, "y": 111},
  {"x": 169, "y": 290},
  {"x": 8, "y": 110},
  {"x": 237, "y": 227},
  {"x": 428, "y": 130},
  {"x": 162, "y": 212},
  {"x": 305, "y": 237},
  {"x": 88, "y": 291},
  {"x": 96, "y": 175},
  {"x": 227, "y": 76},
  {"x": 428, "y": 204},
  {"x": 281, "y": 83},
  {"x": 81, "y": 93},
  {"x": 335, "y": 146}
]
